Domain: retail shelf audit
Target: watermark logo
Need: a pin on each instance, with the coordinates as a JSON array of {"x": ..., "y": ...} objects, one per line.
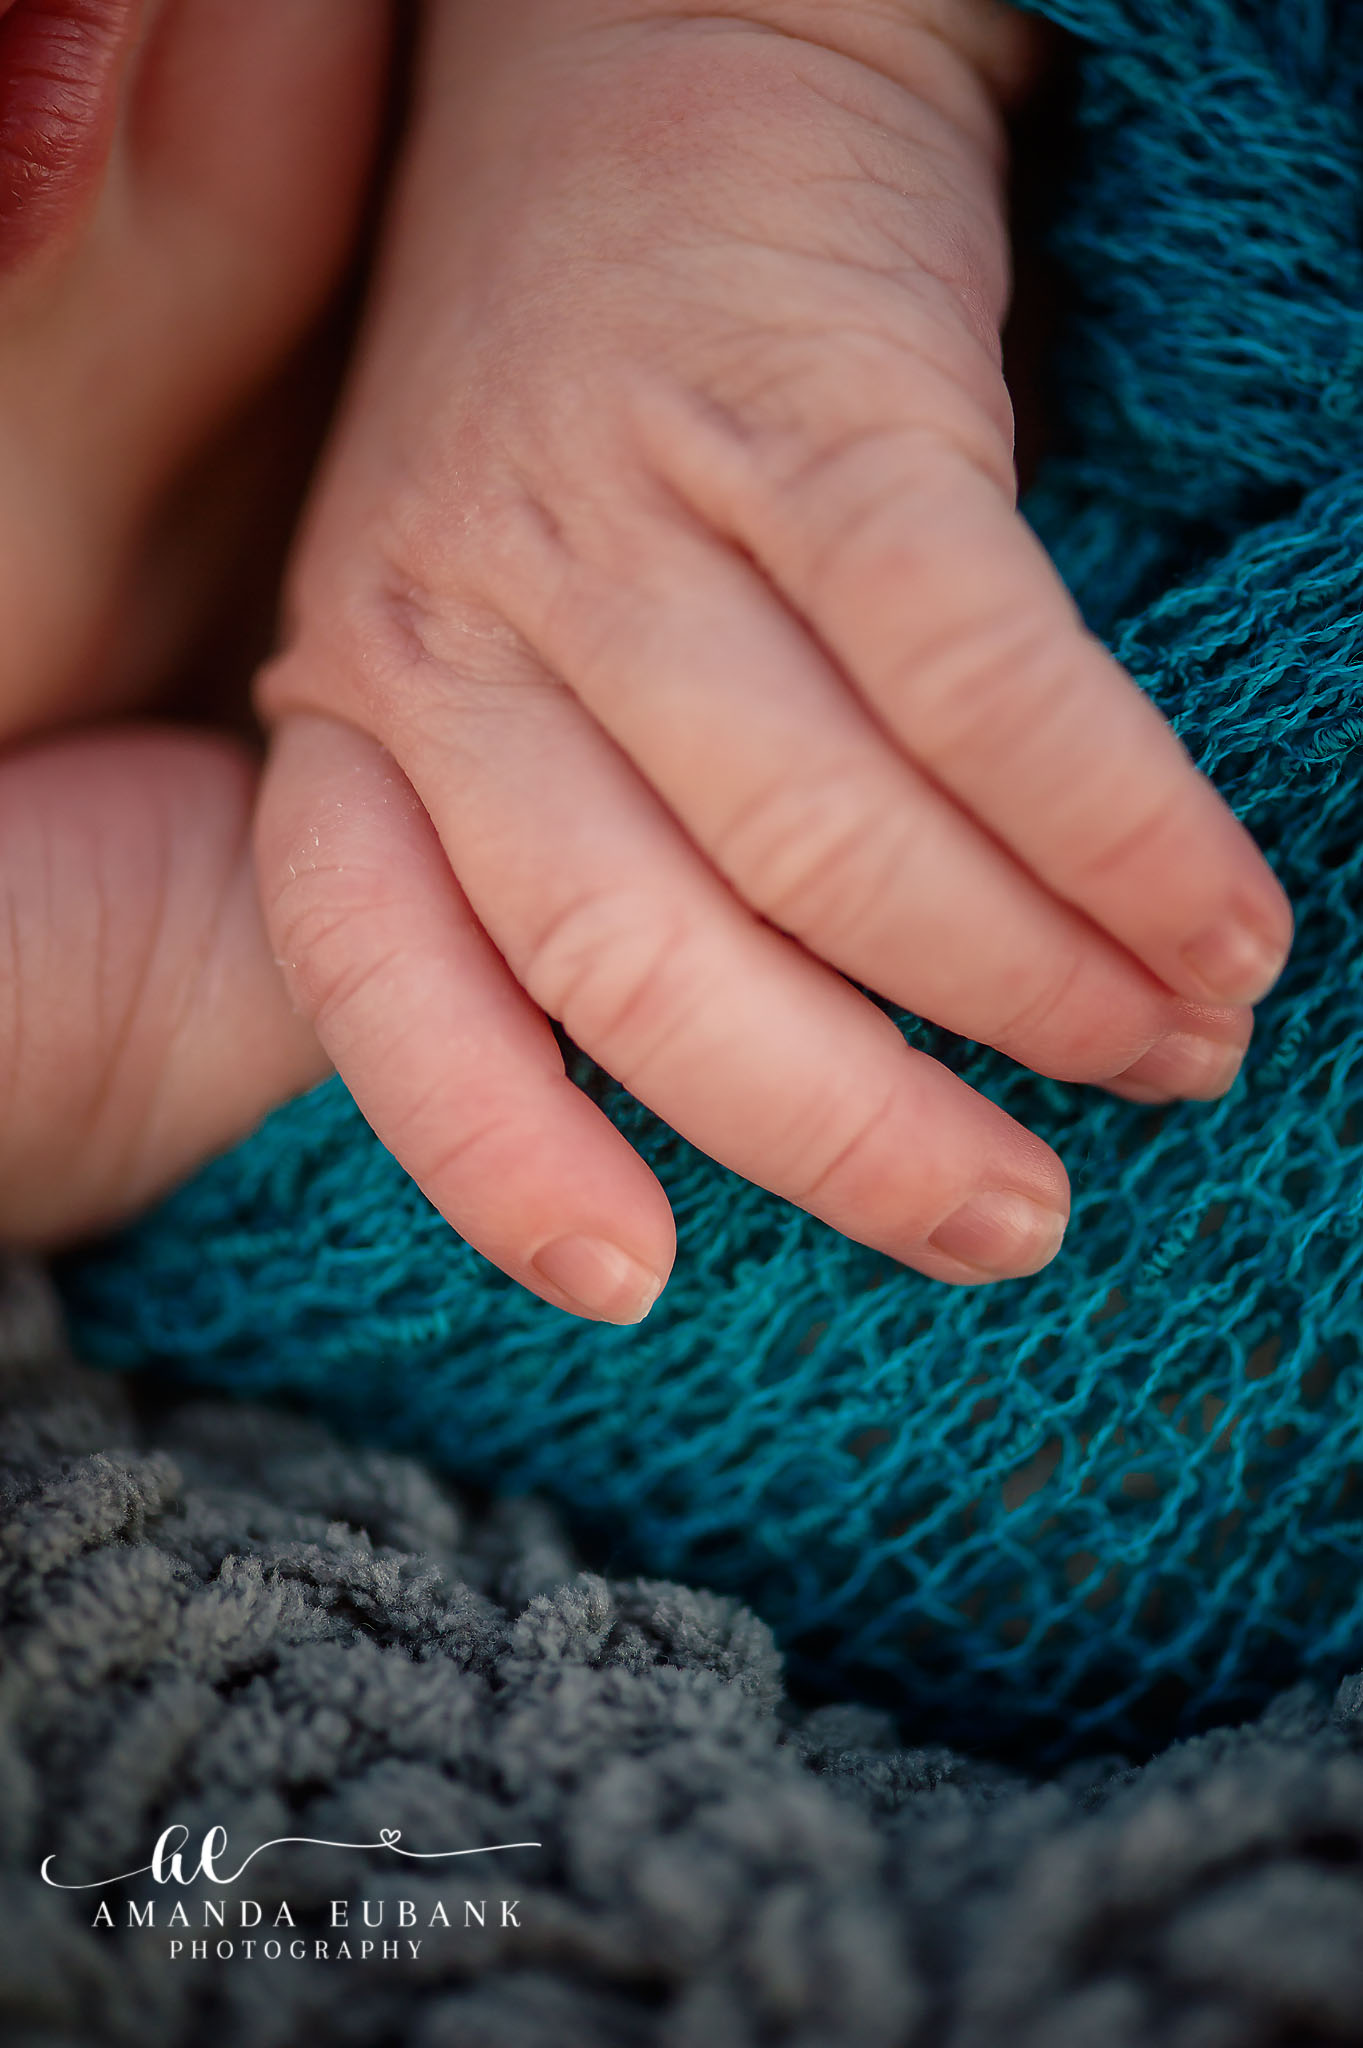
[
  {"x": 167, "y": 1860},
  {"x": 174, "y": 1862}
]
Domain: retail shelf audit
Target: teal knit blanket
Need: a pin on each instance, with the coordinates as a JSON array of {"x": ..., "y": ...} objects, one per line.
[{"x": 1123, "y": 1497}]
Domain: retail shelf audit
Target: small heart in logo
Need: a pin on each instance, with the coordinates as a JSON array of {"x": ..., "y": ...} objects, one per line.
[{"x": 390, "y": 1837}]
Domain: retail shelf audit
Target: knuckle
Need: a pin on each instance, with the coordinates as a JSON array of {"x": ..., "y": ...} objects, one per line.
[
  {"x": 867, "y": 497},
  {"x": 446, "y": 1153},
  {"x": 840, "y": 1150},
  {"x": 1128, "y": 841},
  {"x": 336, "y": 983},
  {"x": 870, "y": 485},
  {"x": 392, "y": 648},
  {"x": 341, "y": 659},
  {"x": 815, "y": 857},
  {"x": 1042, "y": 1025},
  {"x": 614, "y": 970},
  {"x": 322, "y": 922},
  {"x": 987, "y": 689}
]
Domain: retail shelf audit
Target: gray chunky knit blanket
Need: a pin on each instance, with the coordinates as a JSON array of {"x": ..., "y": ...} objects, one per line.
[{"x": 222, "y": 1616}]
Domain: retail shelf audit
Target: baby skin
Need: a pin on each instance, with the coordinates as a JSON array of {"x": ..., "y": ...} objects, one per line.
[
  {"x": 666, "y": 654},
  {"x": 179, "y": 185}
]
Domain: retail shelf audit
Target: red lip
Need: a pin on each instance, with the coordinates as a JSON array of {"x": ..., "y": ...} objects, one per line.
[{"x": 60, "y": 67}]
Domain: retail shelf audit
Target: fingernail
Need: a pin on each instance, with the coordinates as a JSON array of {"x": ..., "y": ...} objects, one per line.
[
  {"x": 1003, "y": 1235},
  {"x": 1184, "y": 1063},
  {"x": 1236, "y": 961},
  {"x": 598, "y": 1278}
]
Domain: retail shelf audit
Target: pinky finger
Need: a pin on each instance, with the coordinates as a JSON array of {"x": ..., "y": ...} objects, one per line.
[{"x": 447, "y": 1057}]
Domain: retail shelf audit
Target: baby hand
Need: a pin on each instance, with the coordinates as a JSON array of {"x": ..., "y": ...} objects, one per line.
[{"x": 666, "y": 647}]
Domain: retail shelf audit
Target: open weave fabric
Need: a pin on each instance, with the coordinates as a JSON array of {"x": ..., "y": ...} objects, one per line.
[
  {"x": 1123, "y": 1496},
  {"x": 218, "y": 1615}
]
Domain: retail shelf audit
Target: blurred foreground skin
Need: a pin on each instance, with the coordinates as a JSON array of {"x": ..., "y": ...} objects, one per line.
[
  {"x": 666, "y": 653},
  {"x": 179, "y": 186}
]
